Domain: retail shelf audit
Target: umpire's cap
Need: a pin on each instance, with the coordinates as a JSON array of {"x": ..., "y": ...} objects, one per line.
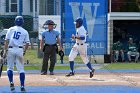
[
  {"x": 49, "y": 22},
  {"x": 79, "y": 20},
  {"x": 19, "y": 20}
]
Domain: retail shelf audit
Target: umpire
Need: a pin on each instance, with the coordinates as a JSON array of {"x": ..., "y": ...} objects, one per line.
[{"x": 48, "y": 45}]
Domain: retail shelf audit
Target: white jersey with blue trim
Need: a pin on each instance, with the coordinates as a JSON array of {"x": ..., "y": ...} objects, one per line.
[
  {"x": 81, "y": 32},
  {"x": 17, "y": 36}
]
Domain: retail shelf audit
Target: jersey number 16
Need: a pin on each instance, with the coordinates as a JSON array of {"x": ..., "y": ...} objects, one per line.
[{"x": 16, "y": 35}]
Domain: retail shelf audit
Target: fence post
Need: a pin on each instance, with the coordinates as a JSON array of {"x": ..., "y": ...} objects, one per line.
[
  {"x": 40, "y": 53},
  {"x": 32, "y": 43}
]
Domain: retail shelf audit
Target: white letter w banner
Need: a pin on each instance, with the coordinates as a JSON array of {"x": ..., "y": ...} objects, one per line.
[{"x": 94, "y": 14}]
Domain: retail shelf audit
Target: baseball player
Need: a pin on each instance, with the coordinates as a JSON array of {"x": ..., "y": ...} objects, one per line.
[
  {"x": 132, "y": 50},
  {"x": 79, "y": 47},
  {"x": 14, "y": 39},
  {"x": 118, "y": 49}
]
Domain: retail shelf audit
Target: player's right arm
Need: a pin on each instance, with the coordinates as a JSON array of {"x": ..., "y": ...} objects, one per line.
[
  {"x": 26, "y": 47},
  {"x": 27, "y": 41}
]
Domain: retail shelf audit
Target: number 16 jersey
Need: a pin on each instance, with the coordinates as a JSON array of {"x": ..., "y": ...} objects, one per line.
[{"x": 17, "y": 36}]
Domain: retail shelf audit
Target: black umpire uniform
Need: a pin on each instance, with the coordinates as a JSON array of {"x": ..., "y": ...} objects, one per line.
[{"x": 48, "y": 45}]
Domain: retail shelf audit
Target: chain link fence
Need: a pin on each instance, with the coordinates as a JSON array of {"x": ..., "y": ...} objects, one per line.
[{"x": 8, "y": 21}]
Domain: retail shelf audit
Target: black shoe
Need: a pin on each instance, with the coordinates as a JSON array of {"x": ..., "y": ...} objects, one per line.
[
  {"x": 51, "y": 73},
  {"x": 12, "y": 87},
  {"x": 44, "y": 73},
  {"x": 70, "y": 74},
  {"x": 92, "y": 73},
  {"x": 23, "y": 89}
]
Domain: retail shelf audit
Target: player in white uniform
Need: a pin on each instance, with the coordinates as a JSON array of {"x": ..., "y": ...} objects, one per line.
[
  {"x": 79, "y": 47},
  {"x": 14, "y": 40}
]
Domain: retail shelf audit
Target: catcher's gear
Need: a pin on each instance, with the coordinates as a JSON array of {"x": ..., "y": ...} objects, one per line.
[{"x": 19, "y": 21}]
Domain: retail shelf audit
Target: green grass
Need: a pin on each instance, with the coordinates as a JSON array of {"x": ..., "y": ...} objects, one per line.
[
  {"x": 117, "y": 66},
  {"x": 31, "y": 55}
]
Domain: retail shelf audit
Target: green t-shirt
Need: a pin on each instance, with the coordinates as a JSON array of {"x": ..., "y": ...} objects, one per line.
[
  {"x": 132, "y": 47},
  {"x": 117, "y": 46}
]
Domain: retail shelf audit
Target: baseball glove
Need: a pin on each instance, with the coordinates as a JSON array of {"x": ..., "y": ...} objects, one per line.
[{"x": 61, "y": 53}]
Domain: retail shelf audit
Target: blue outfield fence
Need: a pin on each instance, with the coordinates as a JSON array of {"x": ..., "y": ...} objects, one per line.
[{"x": 94, "y": 14}]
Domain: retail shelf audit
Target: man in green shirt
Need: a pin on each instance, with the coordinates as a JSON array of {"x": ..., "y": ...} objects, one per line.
[
  {"x": 132, "y": 50},
  {"x": 118, "y": 49}
]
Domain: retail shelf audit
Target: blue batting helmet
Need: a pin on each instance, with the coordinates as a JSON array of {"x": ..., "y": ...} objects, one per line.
[
  {"x": 19, "y": 21},
  {"x": 79, "y": 20}
]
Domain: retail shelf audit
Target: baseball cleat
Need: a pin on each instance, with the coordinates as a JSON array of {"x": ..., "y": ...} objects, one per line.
[
  {"x": 51, "y": 73},
  {"x": 23, "y": 89},
  {"x": 70, "y": 74},
  {"x": 44, "y": 73},
  {"x": 92, "y": 73},
  {"x": 12, "y": 87}
]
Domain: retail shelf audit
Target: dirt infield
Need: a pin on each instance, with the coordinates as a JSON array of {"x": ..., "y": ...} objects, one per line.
[{"x": 129, "y": 79}]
